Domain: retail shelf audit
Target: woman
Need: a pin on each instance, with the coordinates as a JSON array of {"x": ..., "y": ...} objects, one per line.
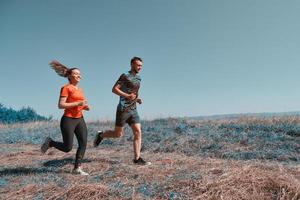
[{"x": 72, "y": 122}]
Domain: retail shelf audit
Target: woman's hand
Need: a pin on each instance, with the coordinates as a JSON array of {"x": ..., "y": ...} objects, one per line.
[
  {"x": 87, "y": 108},
  {"x": 84, "y": 105}
]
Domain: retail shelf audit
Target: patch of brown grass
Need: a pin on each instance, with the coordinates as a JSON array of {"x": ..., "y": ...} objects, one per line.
[
  {"x": 27, "y": 192},
  {"x": 52, "y": 192},
  {"x": 260, "y": 120},
  {"x": 251, "y": 182},
  {"x": 80, "y": 191},
  {"x": 29, "y": 125},
  {"x": 171, "y": 176}
]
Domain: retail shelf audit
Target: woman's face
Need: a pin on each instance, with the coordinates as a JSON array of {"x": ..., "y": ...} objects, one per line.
[{"x": 75, "y": 76}]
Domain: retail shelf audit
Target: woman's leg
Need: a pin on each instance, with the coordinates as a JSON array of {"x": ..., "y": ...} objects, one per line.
[
  {"x": 67, "y": 126},
  {"x": 81, "y": 135}
]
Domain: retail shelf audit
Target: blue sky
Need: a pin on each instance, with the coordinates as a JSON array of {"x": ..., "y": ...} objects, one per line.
[{"x": 201, "y": 57}]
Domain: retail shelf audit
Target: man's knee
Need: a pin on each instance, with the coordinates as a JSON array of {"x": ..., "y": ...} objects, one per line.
[
  {"x": 119, "y": 134},
  {"x": 137, "y": 134},
  {"x": 118, "y": 131}
]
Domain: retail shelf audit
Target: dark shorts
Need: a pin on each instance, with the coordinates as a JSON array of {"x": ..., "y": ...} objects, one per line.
[{"x": 129, "y": 117}]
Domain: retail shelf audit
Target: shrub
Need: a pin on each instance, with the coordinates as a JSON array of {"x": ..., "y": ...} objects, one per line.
[{"x": 26, "y": 114}]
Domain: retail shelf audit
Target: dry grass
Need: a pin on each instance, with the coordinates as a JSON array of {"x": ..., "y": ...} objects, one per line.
[
  {"x": 178, "y": 170},
  {"x": 29, "y": 125},
  {"x": 247, "y": 120},
  {"x": 81, "y": 191},
  {"x": 171, "y": 176},
  {"x": 76, "y": 191},
  {"x": 252, "y": 182}
]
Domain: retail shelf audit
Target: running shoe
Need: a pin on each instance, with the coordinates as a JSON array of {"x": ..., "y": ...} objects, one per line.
[
  {"x": 98, "y": 139},
  {"x": 46, "y": 145},
  {"x": 79, "y": 171},
  {"x": 141, "y": 161}
]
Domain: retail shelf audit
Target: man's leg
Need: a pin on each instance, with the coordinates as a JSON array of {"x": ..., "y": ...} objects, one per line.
[
  {"x": 137, "y": 132},
  {"x": 135, "y": 124},
  {"x": 137, "y": 144},
  {"x": 121, "y": 118},
  {"x": 118, "y": 132}
]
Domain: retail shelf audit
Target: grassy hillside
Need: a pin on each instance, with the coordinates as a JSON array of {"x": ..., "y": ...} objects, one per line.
[{"x": 237, "y": 158}]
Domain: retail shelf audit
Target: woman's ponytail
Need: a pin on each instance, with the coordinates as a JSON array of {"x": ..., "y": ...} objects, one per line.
[{"x": 60, "y": 69}]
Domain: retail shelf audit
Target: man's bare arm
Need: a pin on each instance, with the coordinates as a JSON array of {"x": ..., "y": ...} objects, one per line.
[{"x": 116, "y": 89}]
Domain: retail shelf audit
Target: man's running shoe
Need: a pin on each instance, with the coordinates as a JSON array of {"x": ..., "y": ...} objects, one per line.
[
  {"x": 98, "y": 139},
  {"x": 141, "y": 161},
  {"x": 46, "y": 145},
  {"x": 79, "y": 171}
]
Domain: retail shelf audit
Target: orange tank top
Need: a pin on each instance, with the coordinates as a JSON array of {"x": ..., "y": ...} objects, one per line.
[{"x": 73, "y": 94}]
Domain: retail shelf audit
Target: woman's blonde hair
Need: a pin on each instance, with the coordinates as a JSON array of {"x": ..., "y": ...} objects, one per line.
[{"x": 61, "y": 69}]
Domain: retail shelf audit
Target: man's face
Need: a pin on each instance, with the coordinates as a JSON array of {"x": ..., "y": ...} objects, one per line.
[{"x": 136, "y": 66}]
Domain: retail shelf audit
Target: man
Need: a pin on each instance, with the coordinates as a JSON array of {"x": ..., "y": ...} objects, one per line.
[{"x": 127, "y": 87}]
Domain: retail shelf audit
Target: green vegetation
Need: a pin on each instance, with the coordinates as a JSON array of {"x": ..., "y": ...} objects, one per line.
[{"x": 26, "y": 114}]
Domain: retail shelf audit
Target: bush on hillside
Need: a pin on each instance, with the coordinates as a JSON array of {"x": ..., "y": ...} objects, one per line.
[{"x": 26, "y": 114}]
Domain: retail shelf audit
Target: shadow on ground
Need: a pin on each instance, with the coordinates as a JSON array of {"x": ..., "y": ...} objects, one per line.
[
  {"x": 62, "y": 162},
  {"x": 23, "y": 171}
]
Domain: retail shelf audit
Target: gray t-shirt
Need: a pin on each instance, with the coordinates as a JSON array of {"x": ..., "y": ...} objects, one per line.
[{"x": 129, "y": 84}]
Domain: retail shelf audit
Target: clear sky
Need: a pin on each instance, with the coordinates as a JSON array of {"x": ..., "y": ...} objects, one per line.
[{"x": 201, "y": 57}]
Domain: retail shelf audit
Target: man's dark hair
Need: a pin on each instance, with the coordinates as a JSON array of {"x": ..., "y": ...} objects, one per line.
[{"x": 135, "y": 58}]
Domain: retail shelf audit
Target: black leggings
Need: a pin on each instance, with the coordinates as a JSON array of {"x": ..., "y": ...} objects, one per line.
[{"x": 68, "y": 127}]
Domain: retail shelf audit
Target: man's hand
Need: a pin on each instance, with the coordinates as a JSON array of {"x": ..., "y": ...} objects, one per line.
[
  {"x": 140, "y": 101},
  {"x": 131, "y": 96}
]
